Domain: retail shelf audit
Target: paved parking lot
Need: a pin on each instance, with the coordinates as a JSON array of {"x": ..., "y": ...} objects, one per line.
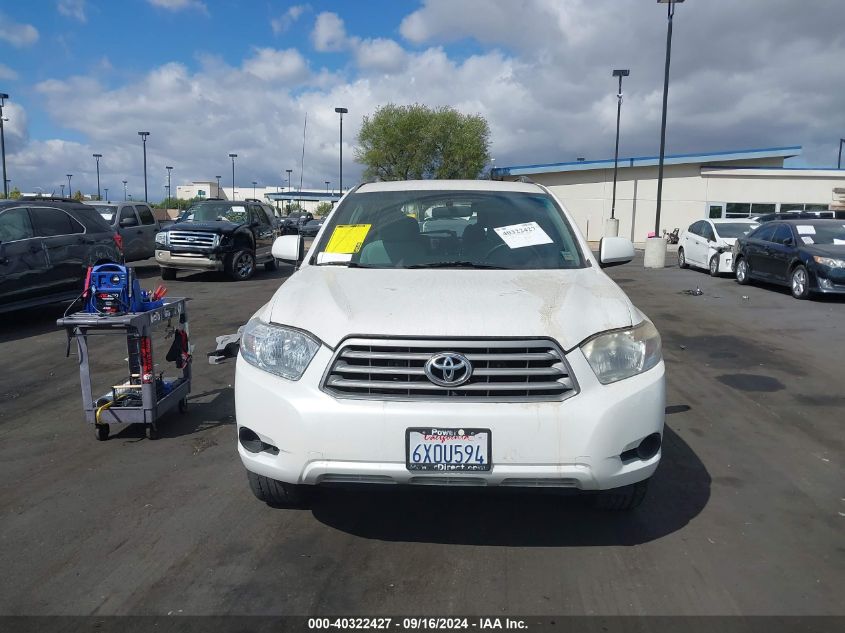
[{"x": 745, "y": 515}]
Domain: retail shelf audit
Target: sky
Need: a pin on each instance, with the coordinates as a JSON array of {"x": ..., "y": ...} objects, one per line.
[{"x": 208, "y": 78}]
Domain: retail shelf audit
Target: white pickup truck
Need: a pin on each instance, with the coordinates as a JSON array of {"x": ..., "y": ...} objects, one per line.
[{"x": 487, "y": 348}]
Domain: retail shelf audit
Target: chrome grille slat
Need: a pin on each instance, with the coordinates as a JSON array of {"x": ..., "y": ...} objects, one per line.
[
  {"x": 505, "y": 370},
  {"x": 192, "y": 239}
]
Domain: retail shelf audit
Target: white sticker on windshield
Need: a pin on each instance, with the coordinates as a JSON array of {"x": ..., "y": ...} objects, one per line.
[
  {"x": 238, "y": 208},
  {"x": 806, "y": 229},
  {"x": 520, "y": 235},
  {"x": 808, "y": 240},
  {"x": 838, "y": 242},
  {"x": 328, "y": 258}
]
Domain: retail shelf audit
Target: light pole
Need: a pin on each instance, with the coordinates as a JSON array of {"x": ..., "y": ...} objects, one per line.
[
  {"x": 106, "y": 189},
  {"x": 97, "y": 157},
  {"x": 341, "y": 112},
  {"x": 218, "y": 186},
  {"x": 254, "y": 182},
  {"x": 839, "y": 162},
  {"x": 144, "y": 136},
  {"x": 289, "y": 173},
  {"x": 3, "y": 97},
  {"x": 124, "y": 191},
  {"x": 655, "y": 256},
  {"x": 327, "y": 185},
  {"x": 69, "y": 190},
  {"x": 612, "y": 229},
  {"x": 233, "y": 157},
  {"x": 63, "y": 190},
  {"x": 169, "y": 191}
]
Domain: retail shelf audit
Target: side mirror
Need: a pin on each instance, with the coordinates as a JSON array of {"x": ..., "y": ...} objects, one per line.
[
  {"x": 289, "y": 248},
  {"x": 126, "y": 222},
  {"x": 789, "y": 242},
  {"x": 614, "y": 251}
]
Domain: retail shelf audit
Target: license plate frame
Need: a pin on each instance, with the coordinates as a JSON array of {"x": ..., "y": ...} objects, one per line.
[{"x": 443, "y": 467}]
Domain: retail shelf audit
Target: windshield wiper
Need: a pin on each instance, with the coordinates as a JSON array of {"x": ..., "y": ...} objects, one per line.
[
  {"x": 459, "y": 264},
  {"x": 347, "y": 265}
]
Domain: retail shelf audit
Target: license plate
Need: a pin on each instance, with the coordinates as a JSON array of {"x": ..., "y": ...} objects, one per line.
[{"x": 448, "y": 449}]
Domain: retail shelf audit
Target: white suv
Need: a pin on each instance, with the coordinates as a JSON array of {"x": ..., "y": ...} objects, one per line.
[{"x": 485, "y": 349}]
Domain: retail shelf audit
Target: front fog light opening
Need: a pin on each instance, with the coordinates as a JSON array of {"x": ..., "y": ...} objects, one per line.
[
  {"x": 645, "y": 450},
  {"x": 251, "y": 442}
]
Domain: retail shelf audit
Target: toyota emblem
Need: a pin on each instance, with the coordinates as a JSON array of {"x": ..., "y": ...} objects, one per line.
[{"x": 448, "y": 369}]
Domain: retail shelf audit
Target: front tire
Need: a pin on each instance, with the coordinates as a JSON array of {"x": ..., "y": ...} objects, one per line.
[
  {"x": 742, "y": 272},
  {"x": 622, "y": 499},
  {"x": 714, "y": 266},
  {"x": 274, "y": 493},
  {"x": 682, "y": 259},
  {"x": 799, "y": 282},
  {"x": 241, "y": 265},
  {"x": 168, "y": 274}
]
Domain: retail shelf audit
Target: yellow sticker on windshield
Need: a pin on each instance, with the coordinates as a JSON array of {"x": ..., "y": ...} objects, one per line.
[{"x": 347, "y": 238}]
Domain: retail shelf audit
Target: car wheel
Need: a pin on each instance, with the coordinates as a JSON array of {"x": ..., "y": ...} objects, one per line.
[
  {"x": 274, "y": 493},
  {"x": 624, "y": 498},
  {"x": 168, "y": 274},
  {"x": 714, "y": 266},
  {"x": 742, "y": 272},
  {"x": 682, "y": 259},
  {"x": 799, "y": 282},
  {"x": 102, "y": 432},
  {"x": 270, "y": 266},
  {"x": 241, "y": 265}
]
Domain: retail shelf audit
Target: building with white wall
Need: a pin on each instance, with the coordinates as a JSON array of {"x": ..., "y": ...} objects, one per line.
[
  {"x": 308, "y": 200},
  {"x": 737, "y": 183}
]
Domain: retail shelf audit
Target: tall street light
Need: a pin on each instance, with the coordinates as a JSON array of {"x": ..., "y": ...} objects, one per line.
[
  {"x": 3, "y": 97},
  {"x": 169, "y": 191},
  {"x": 655, "y": 256},
  {"x": 289, "y": 173},
  {"x": 97, "y": 157},
  {"x": 106, "y": 189},
  {"x": 341, "y": 112},
  {"x": 254, "y": 182},
  {"x": 218, "y": 186},
  {"x": 233, "y": 157},
  {"x": 144, "y": 136},
  {"x": 124, "y": 190},
  {"x": 63, "y": 189},
  {"x": 839, "y": 162},
  {"x": 69, "y": 190},
  {"x": 614, "y": 223},
  {"x": 327, "y": 185}
]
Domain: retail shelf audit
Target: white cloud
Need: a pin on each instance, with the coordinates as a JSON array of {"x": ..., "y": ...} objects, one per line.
[
  {"x": 380, "y": 54},
  {"x": 15, "y": 33},
  {"x": 275, "y": 65},
  {"x": 286, "y": 20},
  {"x": 329, "y": 33},
  {"x": 73, "y": 9},
  {"x": 179, "y": 5},
  {"x": 7, "y": 73}
]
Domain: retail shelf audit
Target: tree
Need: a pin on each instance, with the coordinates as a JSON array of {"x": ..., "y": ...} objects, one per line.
[
  {"x": 324, "y": 208},
  {"x": 413, "y": 142},
  {"x": 78, "y": 196},
  {"x": 14, "y": 194}
]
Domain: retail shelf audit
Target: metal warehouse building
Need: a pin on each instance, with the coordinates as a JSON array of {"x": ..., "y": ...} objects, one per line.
[{"x": 718, "y": 184}]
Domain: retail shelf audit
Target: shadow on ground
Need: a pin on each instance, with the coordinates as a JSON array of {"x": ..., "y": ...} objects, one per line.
[{"x": 679, "y": 491}]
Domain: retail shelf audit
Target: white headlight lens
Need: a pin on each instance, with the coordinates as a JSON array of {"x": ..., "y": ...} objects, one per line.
[
  {"x": 830, "y": 262},
  {"x": 276, "y": 349},
  {"x": 625, "y": 353},
  {"x": 161, "y": 237}
]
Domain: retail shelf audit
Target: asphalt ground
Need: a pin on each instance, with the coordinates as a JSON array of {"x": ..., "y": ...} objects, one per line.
[{"x": 745, "y": 514}]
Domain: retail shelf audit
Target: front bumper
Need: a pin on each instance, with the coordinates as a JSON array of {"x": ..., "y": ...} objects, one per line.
[
  {"x": 189, "y": 261},
  {"x": 575, "y": 443},
  {"x": 829, "y": 280}
]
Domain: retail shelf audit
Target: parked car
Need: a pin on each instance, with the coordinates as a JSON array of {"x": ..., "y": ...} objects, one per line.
[
  {"x": 228, "y": 235},
  {"x": 312, "y": 227},
  {"x": 795, "y": 215},
  {"x": 136, "y": 224},
  {"x": 708, "y": 244},
  {"x": 806, "y": 255},
  {"x": 506, "y": 357},
  {"x": 295, "y": 221},
  {"x": 46, "y": 247}
]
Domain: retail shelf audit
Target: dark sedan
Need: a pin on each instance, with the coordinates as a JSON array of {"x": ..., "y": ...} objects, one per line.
[
  {"x": 311, "y": 228},
  {"x": 806, "y": 255}
]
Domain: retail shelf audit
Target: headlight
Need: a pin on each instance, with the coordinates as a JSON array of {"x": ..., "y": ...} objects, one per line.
[
  {"x": 279, "y": 350},
  {"x": 830, "y": 262},
  {"x": 623, "y": 353},
  {"x": 161, "y": 237}
]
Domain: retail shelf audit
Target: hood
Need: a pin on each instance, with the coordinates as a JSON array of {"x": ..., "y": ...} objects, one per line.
[
  {"x": 335, "y": 302},
  {"x": 825, "y": 250},
  {"x": 213, "y": 227}
]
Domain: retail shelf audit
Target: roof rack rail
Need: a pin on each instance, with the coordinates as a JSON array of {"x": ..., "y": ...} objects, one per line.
[
  {"x": 52, "y": 198},
  {"x": 526, "y": 179}
]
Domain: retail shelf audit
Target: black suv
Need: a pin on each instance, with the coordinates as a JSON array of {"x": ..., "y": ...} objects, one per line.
[
  {"x": 294, "y": 222},
  {"x": 229, "y": 235},
  {"x": 46, "y": 247}
]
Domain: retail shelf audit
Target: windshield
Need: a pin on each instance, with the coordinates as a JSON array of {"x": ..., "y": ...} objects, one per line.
[
  {"x": 107, "y": 213},
  {"x": 734, "y": 229},
  {"x": 449, "y": 229},
  {"x": 822, "y": 233},
  {"x": 214, "y": 211}
]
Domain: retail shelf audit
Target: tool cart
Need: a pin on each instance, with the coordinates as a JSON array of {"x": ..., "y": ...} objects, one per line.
[{"x": 143, "y": 397}]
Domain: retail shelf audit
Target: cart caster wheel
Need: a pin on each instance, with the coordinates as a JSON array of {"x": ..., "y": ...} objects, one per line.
[
  {"x": 151, "y": 431},
  {"x": 102, "y": 431},
  {"x": 183, "y": 405}
]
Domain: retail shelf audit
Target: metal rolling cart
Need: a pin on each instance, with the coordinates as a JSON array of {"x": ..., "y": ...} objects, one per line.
[{"x": 143, "y": 398}]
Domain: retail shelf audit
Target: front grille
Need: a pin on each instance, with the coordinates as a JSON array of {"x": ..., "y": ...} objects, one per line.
[
  {"x": 503, "y": 370},
  {"x": 194, "y": 239}
]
